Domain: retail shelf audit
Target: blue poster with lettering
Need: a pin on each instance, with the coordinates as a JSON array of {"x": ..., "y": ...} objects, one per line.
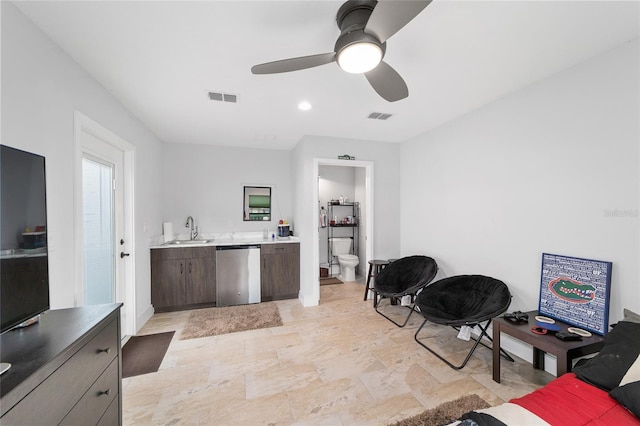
[{"x": 576, "y": 291}]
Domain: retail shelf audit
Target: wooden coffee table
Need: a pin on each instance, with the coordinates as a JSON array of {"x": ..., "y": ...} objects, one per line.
[{"x": 564, "y": 351}]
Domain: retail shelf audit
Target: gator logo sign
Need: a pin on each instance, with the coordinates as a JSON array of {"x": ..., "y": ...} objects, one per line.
[{"x": 572, "y": 291}]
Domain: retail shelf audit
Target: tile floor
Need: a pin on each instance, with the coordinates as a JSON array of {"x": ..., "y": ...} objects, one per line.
[{"x": 338, "y": 363}]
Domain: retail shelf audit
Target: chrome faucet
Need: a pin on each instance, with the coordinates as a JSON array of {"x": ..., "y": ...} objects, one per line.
[{"x": 192, "y": 234}]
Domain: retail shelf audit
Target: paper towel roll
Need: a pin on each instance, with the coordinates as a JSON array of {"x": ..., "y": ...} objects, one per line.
[{"x": 167, "y": 230}]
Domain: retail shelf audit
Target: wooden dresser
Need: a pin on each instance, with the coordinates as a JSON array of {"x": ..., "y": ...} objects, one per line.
[{"x": 66, "y": 369}]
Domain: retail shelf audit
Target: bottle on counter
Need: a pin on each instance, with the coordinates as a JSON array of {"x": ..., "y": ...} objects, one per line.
[{"x": 323, "y": 217}]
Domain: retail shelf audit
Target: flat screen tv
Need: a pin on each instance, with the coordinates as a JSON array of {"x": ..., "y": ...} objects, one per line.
[{"x": 24, "y": 271}]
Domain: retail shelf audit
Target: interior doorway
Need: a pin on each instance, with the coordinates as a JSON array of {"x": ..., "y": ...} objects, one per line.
[
  {"x": 364, "y": 195},
  {"x": 104, "y": 237}
]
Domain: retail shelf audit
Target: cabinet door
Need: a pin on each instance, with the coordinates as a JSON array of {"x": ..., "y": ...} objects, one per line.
[
  {"x": 291, "y": 283},
  {"x": 280, "y": 277},
  {"x": 168, "y": 283},
  {"x": 268, "y": 278},
  {"x": 201, "y": 280}
]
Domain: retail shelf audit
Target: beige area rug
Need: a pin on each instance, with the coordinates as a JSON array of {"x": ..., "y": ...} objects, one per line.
[
  {"x": 446, "y": 412},
  {"x": 230, "y": 319}
]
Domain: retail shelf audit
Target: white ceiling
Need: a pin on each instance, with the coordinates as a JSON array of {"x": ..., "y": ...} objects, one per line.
[{"x": 161, "y": 58}]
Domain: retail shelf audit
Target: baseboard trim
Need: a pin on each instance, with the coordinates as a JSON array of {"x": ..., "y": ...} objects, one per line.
[
  {"x": 306, "y": 300},
  {"x": 142, "y": 319}
]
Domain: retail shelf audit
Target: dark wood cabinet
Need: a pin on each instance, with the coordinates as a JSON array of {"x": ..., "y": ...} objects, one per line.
[
  {"x": 65, "y": 369},
  {"x": 183, "y": 278},
  {"x": 167, "y": 282},
  {"x": 200, "y": 286},
  {"x": 280, "y": 271}
]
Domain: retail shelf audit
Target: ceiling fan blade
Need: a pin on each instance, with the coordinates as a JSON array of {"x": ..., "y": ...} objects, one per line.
[
  {"x": 294, "y": 64},
  {"x": 387, "y": 82},
  {"x": 388, "y": 17}
]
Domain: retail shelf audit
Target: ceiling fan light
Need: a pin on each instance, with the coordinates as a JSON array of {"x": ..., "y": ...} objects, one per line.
[{"x": 358, "y": 58}]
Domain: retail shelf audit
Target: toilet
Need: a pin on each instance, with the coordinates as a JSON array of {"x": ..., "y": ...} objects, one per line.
[{"x": 341, "y": 247}]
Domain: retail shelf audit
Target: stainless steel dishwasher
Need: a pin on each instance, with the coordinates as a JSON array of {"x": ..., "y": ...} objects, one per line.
[{"x": 237, "y": 275}]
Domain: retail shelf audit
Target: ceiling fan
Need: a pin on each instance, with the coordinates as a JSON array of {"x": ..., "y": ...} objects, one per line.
[{"x": 365, "y": 26}]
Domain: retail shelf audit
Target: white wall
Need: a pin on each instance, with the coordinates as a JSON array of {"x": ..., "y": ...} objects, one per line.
[
  {"x": 551, "y": 168},
  {"x": 386, "y": 199},
  {"x": 207, "y": 182},
  {"x": 41, "y": 88},
  {"x": 336, "y": 181}
]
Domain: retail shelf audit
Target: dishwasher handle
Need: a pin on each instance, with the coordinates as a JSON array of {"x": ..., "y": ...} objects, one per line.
[{"x": 238, "y": 247}]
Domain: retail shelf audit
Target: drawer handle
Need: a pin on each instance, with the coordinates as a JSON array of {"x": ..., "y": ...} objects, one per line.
[
  {"x": 104, "y": 392},
  {"x": 106, "y": 351}
]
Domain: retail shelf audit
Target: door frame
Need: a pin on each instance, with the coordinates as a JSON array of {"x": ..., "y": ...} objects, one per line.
[
  {"x": 368, "y": 211},
  {"x": 83, "y": 123}
]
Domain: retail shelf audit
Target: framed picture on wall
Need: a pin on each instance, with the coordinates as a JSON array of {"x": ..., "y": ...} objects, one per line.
[
  {"x": 576, "y": 291},
  {"x": 257, "y": 203}
]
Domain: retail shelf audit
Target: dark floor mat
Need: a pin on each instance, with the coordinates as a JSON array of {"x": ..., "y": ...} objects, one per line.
[{"x": 144, "y": 354}]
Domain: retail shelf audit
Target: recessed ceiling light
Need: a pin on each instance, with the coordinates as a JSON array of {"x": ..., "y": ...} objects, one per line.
[{"x": 304, "y": 106}]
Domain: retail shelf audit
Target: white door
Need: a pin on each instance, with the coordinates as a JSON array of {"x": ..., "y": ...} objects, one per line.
[
  {"x": 104, "y": 211},
  {"x": 99, "y": 265},
  {"x": 103, "y": 244}
]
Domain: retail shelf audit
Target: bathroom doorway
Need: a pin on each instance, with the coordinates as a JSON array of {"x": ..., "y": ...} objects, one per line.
[{"x": 353, "y": 180}]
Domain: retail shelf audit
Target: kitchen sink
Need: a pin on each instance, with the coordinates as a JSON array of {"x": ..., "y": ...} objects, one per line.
[{"x": 187, "y": 242}]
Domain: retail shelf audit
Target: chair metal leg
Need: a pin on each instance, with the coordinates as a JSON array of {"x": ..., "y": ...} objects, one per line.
[
  {"x": 413, "y": 309},
  {"x": 477, "y": 342},
  {"x": 505, "y": 355},
  {"x": 366, "y": 286},
  {"x": 375, "y": 267}
]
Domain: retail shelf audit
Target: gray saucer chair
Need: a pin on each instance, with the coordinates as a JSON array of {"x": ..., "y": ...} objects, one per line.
[
  {"x": 463, "y": 300},
  {"x": 403, "y": 277}
]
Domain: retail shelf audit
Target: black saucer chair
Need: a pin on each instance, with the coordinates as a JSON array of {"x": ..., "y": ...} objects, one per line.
[
  {"x": 403, "y": 277},
  {"x": 463, "y": 300}
]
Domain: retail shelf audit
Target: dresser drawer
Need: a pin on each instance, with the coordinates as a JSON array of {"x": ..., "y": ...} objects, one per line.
[
  {"x": 182, "y": 253},
  {"x": 50, "y": 402},
  {"x": 97, "y": 399},
  {"x": 281, "y": 248},
  {"x": 111, "y": 417}
]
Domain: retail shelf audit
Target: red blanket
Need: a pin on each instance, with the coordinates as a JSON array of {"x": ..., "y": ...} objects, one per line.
[{"x": 570, "y": 401}]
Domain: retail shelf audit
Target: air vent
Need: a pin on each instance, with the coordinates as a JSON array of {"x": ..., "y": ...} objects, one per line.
[
  {"x": 379, "y": 116},
  {"x": 223, "y": 97}
]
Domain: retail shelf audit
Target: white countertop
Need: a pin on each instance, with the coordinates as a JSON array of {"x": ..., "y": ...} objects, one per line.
[{"x": 226, "y": 241}]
